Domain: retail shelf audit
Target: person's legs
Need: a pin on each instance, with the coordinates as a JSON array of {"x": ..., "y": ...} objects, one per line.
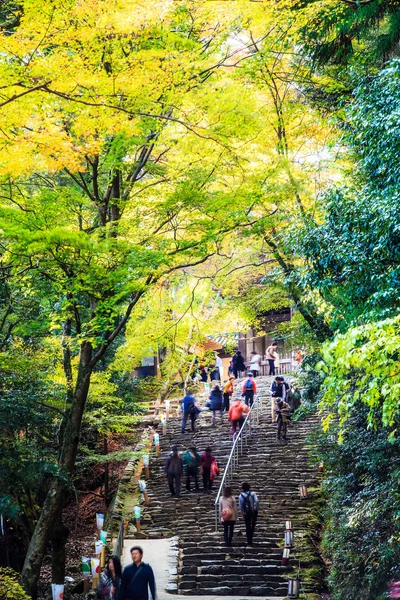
[
  {"x": 226, "y": 402},
  {"x": 213, "y": 417},
  {"x": 255, "y": 373},
  {"x": 278, "y": 431},
  {"x": 196, "y": 480},
  {"x": 284, "y": 429},
  {"x": 226, "y": 535},
  {"x": 206, "y": 478},
  {"x": 249, "y": 533},
  {"x": 253, "y": 522},
  {"x": 188, "y": 479},
  {"x": 230, "y": 532},
  {"x": 271, "y": 367},
  {"x": 192, "y": 420},
  {"x": 178, "y": 484},
  {"x": 184, "y": 420},
  {"x": 171, "y": 483},
  {"x": 235, "y": 372},
  {"x": 234, "y": 425},
  {"x": 251, "y": 397}
]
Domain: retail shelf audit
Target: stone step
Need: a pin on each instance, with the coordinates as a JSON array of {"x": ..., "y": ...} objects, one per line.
[{"x": 275, "y": 471}]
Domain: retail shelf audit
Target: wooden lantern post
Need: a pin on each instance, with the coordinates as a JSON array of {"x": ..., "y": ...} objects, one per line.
[
  {"x": 146, "y": 465},
  {"x": 136, "y": 512},
  {"x": 157, "y": 443}
]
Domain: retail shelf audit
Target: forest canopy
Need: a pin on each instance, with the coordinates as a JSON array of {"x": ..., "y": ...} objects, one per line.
[{"x": 172, "y": 170}]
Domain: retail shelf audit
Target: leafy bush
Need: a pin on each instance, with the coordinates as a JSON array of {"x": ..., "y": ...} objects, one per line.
[{"x": 10, "y": 589}]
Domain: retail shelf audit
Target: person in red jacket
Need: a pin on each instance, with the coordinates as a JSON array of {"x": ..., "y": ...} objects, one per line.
[
  {"x": 235, "y": 415},
  {"x": 249, "y": 389},
  {"x": 206, "y": 460}
]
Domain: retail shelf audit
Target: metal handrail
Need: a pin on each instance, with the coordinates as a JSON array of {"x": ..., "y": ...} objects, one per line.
[{"x": 233, "y": 460}]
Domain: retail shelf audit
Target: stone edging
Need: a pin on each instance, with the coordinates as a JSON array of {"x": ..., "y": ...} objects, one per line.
[{"x": 174, "y": 559}]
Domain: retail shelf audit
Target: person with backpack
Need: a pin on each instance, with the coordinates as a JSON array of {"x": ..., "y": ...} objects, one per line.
[
  {"x": 190, "y": 410},
  {"x": 228, "y": 512},
  {"x": 191, "y": 463},
  {"x": 238, "y": 364},
  {"x": 207, "y": 459},
  {"x": 137, "y": 578},
  {"x": 228, "y": 392},
  {"x": 236, "y": 415},
  {"x": 283, "y": 415},
  {"x": 216, "y": 403},
  {"x": 248, "y": 503},
  {"x": 174, "y": 471},
  {"x": 271, "y": 356},
  {"x": 249, "y": 389}
]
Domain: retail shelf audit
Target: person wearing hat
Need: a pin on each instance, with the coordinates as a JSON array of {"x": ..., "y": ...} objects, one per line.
[
  {"x": 228, "y": 391},
  {"x": 191, "y": 463},
  {"x": 283, "y": 415},
  {"x": 174, "y": 470}
]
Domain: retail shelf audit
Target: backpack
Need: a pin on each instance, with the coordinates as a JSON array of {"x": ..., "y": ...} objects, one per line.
[
  {"x": 248, "y": 506},
  {"x": 249, "y": 385}
]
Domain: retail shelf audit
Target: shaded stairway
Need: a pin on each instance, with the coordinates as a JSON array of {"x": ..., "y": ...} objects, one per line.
[{"x": 275, "y": 471}]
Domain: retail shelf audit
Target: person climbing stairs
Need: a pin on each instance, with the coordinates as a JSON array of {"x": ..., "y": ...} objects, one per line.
[{"x": 276, "y": 470}]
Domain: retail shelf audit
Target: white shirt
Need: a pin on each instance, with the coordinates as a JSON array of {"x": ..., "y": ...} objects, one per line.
[{"x": 255, "y": 362}]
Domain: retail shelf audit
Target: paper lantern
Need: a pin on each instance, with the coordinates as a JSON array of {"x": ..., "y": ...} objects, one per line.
[
  {"x": 98, "y": 546},
  {"x": 142, "y": 485},
  {"x": 285, "y": 556},
  {"x": 95, "y": 564},
  {"x": 136, "y": 512},
  {"x": 288, "y": 524},
  {"x": 289, "y": 538},
  {"x": 57, "y": 591},
  {"x": 293, "y": 588},
  {"x": 303, "y": 491},
  {"x": 156, "y": 439},
  {"x": 103, "y": 536},
  {"x": 99, "y": 521},
  {"x": 85, "y": 567},
  {"x": 145, "y": 460}
]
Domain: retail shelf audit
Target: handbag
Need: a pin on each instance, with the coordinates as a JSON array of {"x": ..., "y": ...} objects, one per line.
[{"x": 227, "y": 514}]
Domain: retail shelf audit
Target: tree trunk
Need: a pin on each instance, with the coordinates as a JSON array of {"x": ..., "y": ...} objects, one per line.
[
  {"x": 106, "y": 470},
  {"x": 54, "y": 502},
  {"x": 316, "y": 321},
  {"x": 59, "y": 538}
]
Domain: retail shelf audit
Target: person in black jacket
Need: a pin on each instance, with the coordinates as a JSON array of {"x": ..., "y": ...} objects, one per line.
[
  {"x": 216, "y": 402},
  {"x": 137, "y": 578},
  {"x": 238, "y": 364},
  {"x": 174, "y": 470}
]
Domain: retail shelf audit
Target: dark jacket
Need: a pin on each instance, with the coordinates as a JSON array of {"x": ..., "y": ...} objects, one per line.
[
  {"x": 191, "y": 461},
  {"x": 174, "y": 465},
  {"x": 187, "y": 403},
  {"x": 216, "y": 400},
  {"x": 238, "y": 362},
  {"x": 138, "y": 588}
]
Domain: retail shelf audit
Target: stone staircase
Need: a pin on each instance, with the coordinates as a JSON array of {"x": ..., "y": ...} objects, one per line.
[{"x": 275, "y": 471}]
